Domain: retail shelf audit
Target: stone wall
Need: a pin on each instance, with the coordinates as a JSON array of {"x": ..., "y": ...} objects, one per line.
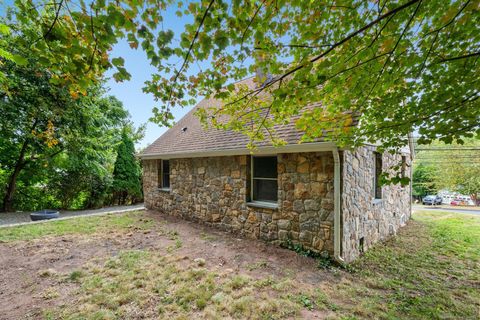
[
  {"x": 367, "y": 220},
  {"x": 214, "y": 191}
]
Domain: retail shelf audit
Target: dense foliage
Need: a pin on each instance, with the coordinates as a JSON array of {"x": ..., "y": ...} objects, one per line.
[
  {"x": 126, "y": 173},
  {"x": 424, "y": 180},
  {"x": 379, "y": 68},
  {"x": 455, "y": 168},
  {"x": 56, "y": 151},
  {"x": 57, "y": 146}
]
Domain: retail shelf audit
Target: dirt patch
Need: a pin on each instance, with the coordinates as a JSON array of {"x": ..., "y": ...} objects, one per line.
[{"x": 36, "y": 274}]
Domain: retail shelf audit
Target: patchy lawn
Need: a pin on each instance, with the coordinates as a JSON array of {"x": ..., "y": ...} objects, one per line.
[{"x": 146, "y": 265}]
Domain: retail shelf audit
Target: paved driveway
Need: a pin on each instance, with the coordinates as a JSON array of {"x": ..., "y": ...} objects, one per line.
[
  {"x": 451, "y": 209},
  {"x": 13, "y": 218}
]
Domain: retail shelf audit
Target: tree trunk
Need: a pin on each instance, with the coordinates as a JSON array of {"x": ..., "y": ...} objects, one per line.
[
  {"x": 12, "y": 180},
  {"x": 473, "y": 196}
]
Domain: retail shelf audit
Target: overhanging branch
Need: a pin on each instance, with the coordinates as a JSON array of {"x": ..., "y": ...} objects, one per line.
[{"x": 326, "y": 52}]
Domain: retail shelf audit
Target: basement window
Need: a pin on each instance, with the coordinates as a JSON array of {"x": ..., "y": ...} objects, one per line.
[
  {"x": 361, "y": 245},
  {"x": 164, "y": 174},
  {"x": 378, "y": 173},
  {"x": 404, "y": 166},
  {"x": 264, "y": 179}
]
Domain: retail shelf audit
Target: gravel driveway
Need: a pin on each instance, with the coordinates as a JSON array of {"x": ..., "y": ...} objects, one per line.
[{"x": 13, "y": 218}]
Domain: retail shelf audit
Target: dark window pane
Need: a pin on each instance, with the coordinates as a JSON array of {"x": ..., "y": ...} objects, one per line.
[
  {"x": 378, "y": 172},
  {"x": 265, "y": 190},
  {"x": 166, "y": 166},
  {"x": 159, "y": 173},
  {"x": 249, "y": 179},
  {"x": 166, "y": 181},
  {"x": 166, "y": 174},
  {"x": 265, "y": 167}
]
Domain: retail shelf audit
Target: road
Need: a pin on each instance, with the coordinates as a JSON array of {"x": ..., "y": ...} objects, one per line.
[{"x": 451, "y": 209}]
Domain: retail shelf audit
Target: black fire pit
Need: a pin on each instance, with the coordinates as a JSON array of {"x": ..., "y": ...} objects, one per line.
[{"x": 45, "y": 214}]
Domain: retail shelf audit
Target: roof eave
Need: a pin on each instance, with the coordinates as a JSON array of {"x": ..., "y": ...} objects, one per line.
[{"x": 292, "y": 148}]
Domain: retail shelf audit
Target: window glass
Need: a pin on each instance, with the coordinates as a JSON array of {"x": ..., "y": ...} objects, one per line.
[
  {"x": 265, "y": 167},
  {"x": 166, "y": 174},
  {"x": 264, "y": 180},
  {"x": 159, "y": 173},
  {"x": 404, "y": 166},
  {"x": 265, "y": 190},
  {"x": 378, "y": 172}
]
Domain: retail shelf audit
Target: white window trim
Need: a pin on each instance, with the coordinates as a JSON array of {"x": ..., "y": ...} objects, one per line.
[{"x": 262, "y": 203}]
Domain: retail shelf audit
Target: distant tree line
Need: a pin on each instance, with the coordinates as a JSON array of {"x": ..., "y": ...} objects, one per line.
[
  {"x": 63, "y": 150},
  {"x": 448, "y": 167}
]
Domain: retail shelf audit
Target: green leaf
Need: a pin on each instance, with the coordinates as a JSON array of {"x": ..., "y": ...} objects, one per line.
[
  {"x": 4, "y": 29},
  {"x": 21, "y": 61},
  {"x": 118, "y": 62}
]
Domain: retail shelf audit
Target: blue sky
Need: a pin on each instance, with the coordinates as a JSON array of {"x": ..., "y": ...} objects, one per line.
[
  {"x": 140, "y": 104},
  {"x": 130, "y": 92}
]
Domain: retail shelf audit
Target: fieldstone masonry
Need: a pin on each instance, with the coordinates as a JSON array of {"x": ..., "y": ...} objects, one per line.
[
  {"x": 215, "y": 191},
  {"x": 367, "y": 220}
]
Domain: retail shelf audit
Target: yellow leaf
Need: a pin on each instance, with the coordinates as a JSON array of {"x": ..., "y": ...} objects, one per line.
[{"x": 74, "y": 94}]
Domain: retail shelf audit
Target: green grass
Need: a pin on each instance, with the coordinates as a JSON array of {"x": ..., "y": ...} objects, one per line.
[
  {"x": 460, "y": 231},
  {"x": 157, "y": 286},
  {"x": 80, "y": 225},
  {"x": 431, "y": 270}
]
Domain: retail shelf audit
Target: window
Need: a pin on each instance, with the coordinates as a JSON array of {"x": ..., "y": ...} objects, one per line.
[
  {"x": 264, "y": 185},
  {"x": 378, "y": 172},
  {"x": 164, "y": 174},
  {"x": 404, "y": 166}
]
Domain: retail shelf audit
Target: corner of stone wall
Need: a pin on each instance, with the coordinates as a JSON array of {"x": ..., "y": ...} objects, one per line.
[{"x": 367, "y": 221}]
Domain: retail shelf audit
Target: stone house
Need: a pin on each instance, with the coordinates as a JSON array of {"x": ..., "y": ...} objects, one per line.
[{"x": 314, "y": 194}]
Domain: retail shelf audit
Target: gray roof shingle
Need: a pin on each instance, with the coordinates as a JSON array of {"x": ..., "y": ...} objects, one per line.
[{"x": 196, "y": 139}]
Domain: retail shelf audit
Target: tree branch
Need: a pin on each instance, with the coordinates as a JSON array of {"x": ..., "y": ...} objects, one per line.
[
  {"x": 250, "y": 23},
  {"x": 185, "y": 60},
  {"x": 326, "y": 52},
  {"x": 452, "y": 20},
  {"x": 460, "y": 57},
  {"x": 95, "y": 39},
  {"x": 187, "y": 56},
  {"x": 393, "y": 50},
  {"x": 57, "y": 14}
]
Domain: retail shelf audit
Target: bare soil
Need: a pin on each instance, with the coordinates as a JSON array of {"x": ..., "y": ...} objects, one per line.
[{"x": 29, "y": 269}]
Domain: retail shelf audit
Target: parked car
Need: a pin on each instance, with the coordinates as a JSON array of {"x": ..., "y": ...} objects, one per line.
[
  {"x": 455, "y": 203},
  {"x": 462, "y": 201},
  {"x": 432, "y": 200}
]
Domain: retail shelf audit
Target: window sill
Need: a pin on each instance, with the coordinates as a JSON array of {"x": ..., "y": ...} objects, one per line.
[
  {"x": 164, "y": 189},
  {"x": 263, "y": 204},
  {"x": 377, "y": 201}
]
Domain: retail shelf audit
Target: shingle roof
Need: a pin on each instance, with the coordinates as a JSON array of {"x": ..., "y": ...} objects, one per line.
[{"x": 196, "y": 139}]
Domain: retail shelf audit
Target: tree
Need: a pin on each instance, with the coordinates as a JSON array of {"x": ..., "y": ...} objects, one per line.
[
  {"x": 424, "y": 180},
  {"x": 27, "y": 120},
  {"x": 468, "y": 182},
  {"x": 379, "y": 69},
  {"x": 454, "y": 167},
  {"x": 49, "y": 136},
  {"x": 126, "y": 173},
  {"x": 57, "y": 146}
]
